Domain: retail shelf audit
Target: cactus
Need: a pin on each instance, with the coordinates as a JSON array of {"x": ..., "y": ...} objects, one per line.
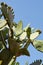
[{"x": 18, "y": 38}]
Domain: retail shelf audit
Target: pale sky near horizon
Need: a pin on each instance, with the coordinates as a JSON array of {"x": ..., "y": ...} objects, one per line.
[{"x": 29, "y": 11}]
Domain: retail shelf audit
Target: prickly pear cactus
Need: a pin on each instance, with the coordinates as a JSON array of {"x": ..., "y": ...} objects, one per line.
[{"x": 18, "y": 38}]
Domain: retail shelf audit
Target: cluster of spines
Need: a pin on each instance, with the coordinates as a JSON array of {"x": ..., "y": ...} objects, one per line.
[{"x": 37, "y": 62}]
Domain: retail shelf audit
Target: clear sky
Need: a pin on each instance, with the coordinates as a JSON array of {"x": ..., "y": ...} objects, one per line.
[{"x": 29, "y": 11}]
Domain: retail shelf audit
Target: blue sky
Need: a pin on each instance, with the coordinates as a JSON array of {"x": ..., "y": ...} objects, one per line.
[{"x": 29, "y": 11}]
